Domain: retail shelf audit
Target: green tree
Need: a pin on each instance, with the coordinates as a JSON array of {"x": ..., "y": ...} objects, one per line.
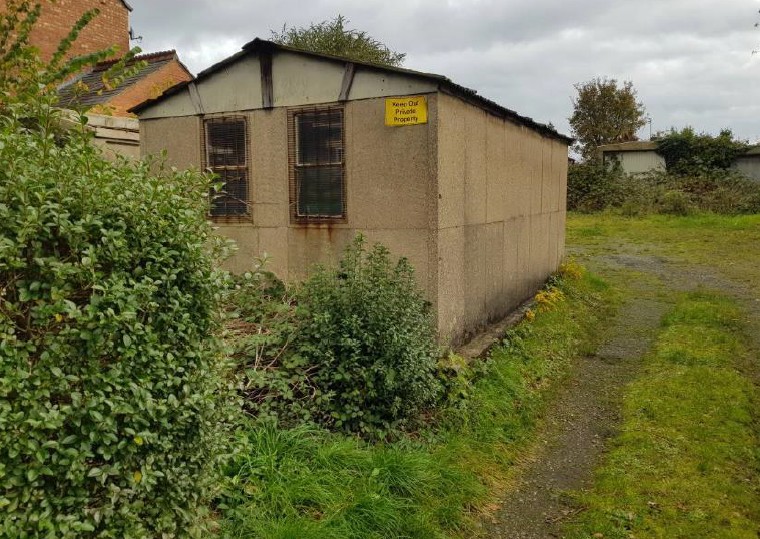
[
  {"x": 334, "y": 38},
  {"x": 604, "y": 113}
]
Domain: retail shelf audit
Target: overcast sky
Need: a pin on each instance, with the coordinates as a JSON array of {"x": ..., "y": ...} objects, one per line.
[{"x": 690, "y": 60}]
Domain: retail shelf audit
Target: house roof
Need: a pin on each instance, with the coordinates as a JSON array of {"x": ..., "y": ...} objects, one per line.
[
  {"x": 651, "y": 145},
  {"x": 89, "y": 89},
  {"x": 444, "y": 83},
  {"x": 633, "y": 146}
]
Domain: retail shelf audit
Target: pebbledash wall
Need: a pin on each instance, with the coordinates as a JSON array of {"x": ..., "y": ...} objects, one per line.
[
  {"x": 475, "y": 197},
  {"x": 500, "y": 213}
]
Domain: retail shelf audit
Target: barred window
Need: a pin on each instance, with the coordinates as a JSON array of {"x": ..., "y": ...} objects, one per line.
[
  {"x": 317, "y": 165},
  {"x": 226, "y": 155}
]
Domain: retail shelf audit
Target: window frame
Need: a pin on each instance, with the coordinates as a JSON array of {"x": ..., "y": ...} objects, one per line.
[
  {"x": 294, "y": 165},
  {"x": 245, "y": 167}
]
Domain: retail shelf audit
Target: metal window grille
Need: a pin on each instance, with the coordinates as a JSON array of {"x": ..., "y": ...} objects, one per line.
[
  {"x": 226, "y": 155},
  {"x": 317, "y": 165}
]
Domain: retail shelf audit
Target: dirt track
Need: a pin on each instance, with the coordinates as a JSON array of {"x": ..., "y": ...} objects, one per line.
[{"x": 586, "y": 413}]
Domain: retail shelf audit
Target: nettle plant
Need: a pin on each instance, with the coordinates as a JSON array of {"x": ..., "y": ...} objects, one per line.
[{"x": 111, "y": 395}]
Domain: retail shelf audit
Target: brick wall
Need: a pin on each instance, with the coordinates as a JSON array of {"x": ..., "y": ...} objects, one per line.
[
  {"x": 111, "y": 27},
  {"x": 149, "y": 87}
]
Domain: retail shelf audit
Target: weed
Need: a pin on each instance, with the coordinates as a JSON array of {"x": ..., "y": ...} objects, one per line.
[{"x": 306, "y": 482}]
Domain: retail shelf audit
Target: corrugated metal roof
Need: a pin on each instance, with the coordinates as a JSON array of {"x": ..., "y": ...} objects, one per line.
[
  {"x": 445, "y": 84},
  {"x": 89, "y": 88}
]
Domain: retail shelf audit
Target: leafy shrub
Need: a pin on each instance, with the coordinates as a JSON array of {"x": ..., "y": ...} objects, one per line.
[
  {"x": 351, "y": 348},
  {"x": 109, "y": 385},
  {"x": 722, "y": 191},
  {"x": 676, "y": 203},
  {"x": 370, "y": 334},
  {"x": 593, "y": 186},
  {"x": 263, "y": 327},
  {"x": 687, "y": 153}
]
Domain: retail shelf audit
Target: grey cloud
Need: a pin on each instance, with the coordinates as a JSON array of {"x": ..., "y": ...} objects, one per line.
[{"x": 690, "y": 60}]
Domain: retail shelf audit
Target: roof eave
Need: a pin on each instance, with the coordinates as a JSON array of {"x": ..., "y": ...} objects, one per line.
[
  {"x": 444, "y": 83},
  {"x": 631, "y": 146},
  {"x": 155, "y": 100}
]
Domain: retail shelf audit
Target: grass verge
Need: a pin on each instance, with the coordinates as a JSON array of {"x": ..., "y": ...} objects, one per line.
[
  {"x": 687, "y": 460},
  {"x": 307, "y": 483}
]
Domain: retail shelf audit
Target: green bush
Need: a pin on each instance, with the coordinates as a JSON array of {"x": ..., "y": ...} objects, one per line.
[
  {"x": 109, "y": 385},
  {"x": 688, "y": 153},
  {"x": 352, "y": 348},
  {"x": 593, "y": 186},
  {"x": 722, "y": 191},
  {"x": 675, "y": 203},
  {"x": 718, "y": 191}
]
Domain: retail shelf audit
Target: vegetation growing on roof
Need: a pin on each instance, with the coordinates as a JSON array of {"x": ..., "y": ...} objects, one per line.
[
  {"x": 688, "y": 152},
  {"x": 333, "y": 37}
]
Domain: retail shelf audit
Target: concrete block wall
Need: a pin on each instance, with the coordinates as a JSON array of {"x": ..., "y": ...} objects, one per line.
[
  {"x": 390, "y": 183},
  {"x": 115, "y": 136},
  {"x": 501, "y": 215},
  {"x": 475, "y": 202}
]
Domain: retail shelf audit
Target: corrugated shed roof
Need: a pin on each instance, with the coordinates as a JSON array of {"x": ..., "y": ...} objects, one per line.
[
  {"x": 444, "y": 83},
  {"x": 89, "y": 88}
]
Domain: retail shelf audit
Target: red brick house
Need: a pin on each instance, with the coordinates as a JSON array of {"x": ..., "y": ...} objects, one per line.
[
  {"x": 110, "y": 27},
  {"x": 161, "y": 71}
]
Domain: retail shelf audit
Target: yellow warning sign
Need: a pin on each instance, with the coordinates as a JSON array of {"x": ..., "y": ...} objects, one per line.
[{"x": 400, "y": 111}]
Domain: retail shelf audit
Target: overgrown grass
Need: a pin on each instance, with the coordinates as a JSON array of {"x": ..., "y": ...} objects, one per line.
[
  {"x": 308, "y": 483},
  {"x": 729, "y": 244},
  {"x": 594, "y": 186},
  {"x": 686, "y": 463}
]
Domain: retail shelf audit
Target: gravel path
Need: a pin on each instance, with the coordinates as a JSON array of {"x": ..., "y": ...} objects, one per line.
[{"x": 586, "y": 413}]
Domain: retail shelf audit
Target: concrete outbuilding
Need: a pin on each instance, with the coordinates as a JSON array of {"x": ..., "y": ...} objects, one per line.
[
  {"x": 641, "y": 156},
  {"x": 633, "y": 157},
  {"x": 749, "y": 163},
  {"x": 313, "y": 149}
]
